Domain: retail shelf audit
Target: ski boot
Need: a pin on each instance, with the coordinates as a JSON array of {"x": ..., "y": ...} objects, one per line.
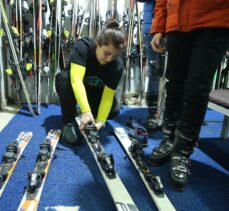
[
  {"x": 180, "y": 164},
  {"x": 152, "y": 120},
  {"x": 70, "y": 134},
  {"x": 161, "y": 154}
]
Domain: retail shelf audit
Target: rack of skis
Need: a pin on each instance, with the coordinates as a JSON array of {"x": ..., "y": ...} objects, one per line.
[
  {"x": 37, "y": 36},
  {"x": 133, "y": 139}
]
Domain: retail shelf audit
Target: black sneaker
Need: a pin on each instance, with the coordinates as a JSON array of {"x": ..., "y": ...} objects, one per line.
[
  {"x": 152, "y": 120},
  {"x": 69, "y": 133}
]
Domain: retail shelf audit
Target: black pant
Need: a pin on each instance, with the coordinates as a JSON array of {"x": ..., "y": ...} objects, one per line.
[
  {"x": 193, "y": 58},
  {"x": 68, "y": 100}
]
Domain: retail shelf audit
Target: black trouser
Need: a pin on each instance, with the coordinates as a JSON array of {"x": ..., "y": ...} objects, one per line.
[
  {"x": 68, "y": 100},
  {"x": 193, "y": 58}
]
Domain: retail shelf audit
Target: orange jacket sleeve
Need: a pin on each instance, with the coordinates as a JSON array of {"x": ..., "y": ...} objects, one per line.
[{"x": 160, "y": 16}]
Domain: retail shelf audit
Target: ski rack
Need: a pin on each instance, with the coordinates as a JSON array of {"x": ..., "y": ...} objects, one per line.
[
  {"x": 161, "y": 200},
  {"x": 15, "y": 57},
  {"x": 118, "y": 191},
  {"x": 11, "y": 157},
  {"x": 37, "y": 178}
]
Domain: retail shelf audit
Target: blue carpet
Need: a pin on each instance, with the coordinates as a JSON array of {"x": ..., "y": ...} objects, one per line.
[{"x": 74, "y": 179}]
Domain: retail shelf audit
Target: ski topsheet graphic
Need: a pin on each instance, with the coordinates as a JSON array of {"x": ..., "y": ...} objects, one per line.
[
  {"x": 161, "y": 201},
  {"x": 11, "y": 158},
  {"x": 120, "y": 195},
  {"x": 37, "y": 178}
]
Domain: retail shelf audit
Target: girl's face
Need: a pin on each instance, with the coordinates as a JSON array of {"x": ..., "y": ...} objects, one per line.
[{"x": 106, "y": 53}]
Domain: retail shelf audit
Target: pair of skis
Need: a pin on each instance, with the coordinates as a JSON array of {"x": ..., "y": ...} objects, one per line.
[
  {"x": 119, "y": 193},
  {"x": 13, "y": 154},
  {"x": 37, "y": 178}
]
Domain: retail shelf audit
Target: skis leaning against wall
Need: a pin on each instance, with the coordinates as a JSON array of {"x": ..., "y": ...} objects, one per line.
[
  {"x": 105, "y": 162},
  {"x": 37, "y": 178},
  {"x": 8, "y": 33},
  {"x": 11, "y": 157}
]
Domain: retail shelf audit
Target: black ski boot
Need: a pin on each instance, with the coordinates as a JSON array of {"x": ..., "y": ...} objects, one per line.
[
  {"x": 180, "y": 164},
  {"x": 70, "y": 134},
  {"x": 161, "y": 154},
  {"x": 152, "y": 120}
]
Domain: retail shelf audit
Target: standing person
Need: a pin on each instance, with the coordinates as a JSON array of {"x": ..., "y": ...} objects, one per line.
[
  {"x": 153, "y": 66},
  {"x": 95, "y": 71},
  {"x": 197, "y": 38}
]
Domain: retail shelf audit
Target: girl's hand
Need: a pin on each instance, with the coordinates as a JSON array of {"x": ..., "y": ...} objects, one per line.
[
  {"x": 86, "y": 118},
  {"x": 99, "y": 125}
]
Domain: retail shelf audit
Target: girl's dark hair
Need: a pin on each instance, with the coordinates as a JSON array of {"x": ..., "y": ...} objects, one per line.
[{"x": 111, "y": 34}]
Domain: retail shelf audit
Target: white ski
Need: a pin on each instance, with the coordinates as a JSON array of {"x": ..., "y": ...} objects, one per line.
[
  {"x": 32, "y": 204},
  {"x": 118, "y": 191},
  {"x": 162, "y": 203},
  {"x": 22, "y": 140}
]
